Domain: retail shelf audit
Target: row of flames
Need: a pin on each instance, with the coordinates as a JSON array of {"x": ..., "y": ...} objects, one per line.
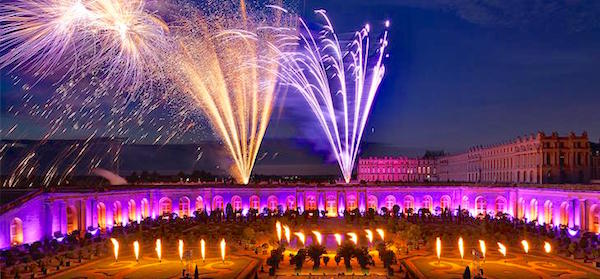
[
  {"x": 501, "y": 248},
  {"x": 158, "y": 249},
  {"x": 284, "y": 230}
]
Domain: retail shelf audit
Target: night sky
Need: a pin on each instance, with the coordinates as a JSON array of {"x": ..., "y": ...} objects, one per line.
[{"x": 460, "y": 73}]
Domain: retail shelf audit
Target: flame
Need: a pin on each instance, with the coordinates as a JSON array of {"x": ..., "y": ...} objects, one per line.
[
  {"x": 547, "y": 247},
  {"x": 369, "y": 235},
  {"x": 482, "y": 247},
  {"x": 381, "y": 233},
  {"x": 180, "y": 249},
  {"x": 203, "y": 249},
  {"x": 353, "y": 237},
  {"x": 278, "y": 229},
  {"x": 525, "y": 246},
  {"x": 115, "y": 247},
  {"x": 136, "y": 250},
  {"x": 461, "y": 248},
  {"x": 288, "y": 233},
  {"x": 338, "y": 238},
  {"x": 502, "y": 249},
  {"x": 158, "y": 249},
  {"x": 318, "y": 236},
  {"x": 438, "y": 247},
  {"x": 223, "y": 249},
  {"x": 300, "y": 236}
]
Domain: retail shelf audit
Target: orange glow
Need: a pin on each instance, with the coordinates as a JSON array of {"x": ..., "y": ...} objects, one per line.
[
  {"x": 381, "y": 233},
  {"x": 136, "y": 250},
  {"x": 203, "y": 249},
  {"x": 158, "y": 249},
  {"x": 288, "y": 233},
  {"x": 278, "y": 230},
  {"x": 525, "y": 246},
  {"x": 115, "y": 244},
  {"x": 338, "y": 238},
  {"x": 318, "y": 237},
  {"x": 180, "y": 249},
  {"x": 547, "y": 247},
  {"x": 502, "y": 249},
  {"x": 438, "y": 247},
  {"x": 461, "y": 248},
  {"x": 353, "y": 237},
  {"x": 482, "y": 247},
  {"x": 223, "y": 249},
  {"x": 369, "y": 235},
  {"x": 300, "y": 236}
]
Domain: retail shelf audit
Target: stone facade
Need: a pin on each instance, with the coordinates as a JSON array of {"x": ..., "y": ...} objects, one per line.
[
  {"x": 536, "y": 159},
  {"x": 595, "y": 161},
  {"x": 46, "y": 215},
  {"x": 396, "y": 169}
]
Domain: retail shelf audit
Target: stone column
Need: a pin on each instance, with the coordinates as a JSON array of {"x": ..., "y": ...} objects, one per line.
[
  {"x": 47, "y": 219},
  {"x": 574, "y": 218}
]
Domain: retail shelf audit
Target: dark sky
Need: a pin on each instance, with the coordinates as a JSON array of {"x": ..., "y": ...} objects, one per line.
[{"x": 462, "y": 73}]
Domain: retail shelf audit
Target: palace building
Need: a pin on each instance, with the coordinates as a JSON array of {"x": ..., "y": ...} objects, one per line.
[
  {"x": 396, "y": 169},
  {"x": 538, "y": 159},
  {"x": 47, "y": 215}
]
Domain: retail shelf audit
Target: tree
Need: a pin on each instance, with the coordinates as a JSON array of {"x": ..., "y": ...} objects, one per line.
[
  {"x": 299, "y": 259},
  {"x": 346, "y": 252},
  {"x": 364, "y": 258},
  {"x": 229, "y": 211},
  {"x": 275, "y": 258},
  {"x": 396, "y": 210},
  {"x": 314, "y": 252},
  {"x": 325, "y": 260}
]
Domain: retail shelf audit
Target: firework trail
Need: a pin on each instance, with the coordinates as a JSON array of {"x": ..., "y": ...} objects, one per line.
[
  {"x": 232, "y": 79},
  {"x": 338, "y": 84},
  {"x": 116, "y": 39}
]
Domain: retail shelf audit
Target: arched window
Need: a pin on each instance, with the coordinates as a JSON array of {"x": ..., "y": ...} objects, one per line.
[
  {"x": 199, "y": 204},
  {"x": 500, "y": 205},
  {"x": 236, "y": 203},
  {"x": 311, "y": 202},
  {"x": 445, "y": 202},
  {"x": 145, "y": 208},
  {"x": 255, "y": 202},
  {"x": 548, "y": 210},
  {"x": 390, "y": 201},
  {"x": 165, "y": 205},
  {"x": 218, "y": 203},
  {"x": 564, "y": 214},
  {"x": 465, "y": 203},
  {"x": 131, "y": 210},
  {"x": 533, "y": 210},
  {"x": 290, "y": 202},
  {"x": 427, "y": 202},
  {"x": 409, "y": 203},
  {"x": 351, "y": 202},
  {"x": 117, "y": 217},
  {"x": 531, "y": 177},
  {"x": 595, "y": 218},
  {"x": 521, "y": 209},
  {"x": 184, "y": 206},
  {"x": 16, "y": 232},
  {"x": 71, "y": 219},
  {"x": 372, "y": 202},
  {"x": 331, "y": 206},
  {"x": 272, "y": 203},
  {"x": 480, "y": 206},
  {"x": 101, "y": 214}
]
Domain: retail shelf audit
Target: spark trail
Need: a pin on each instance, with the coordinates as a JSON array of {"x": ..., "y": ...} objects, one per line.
[{"x": 339, "y": 84}]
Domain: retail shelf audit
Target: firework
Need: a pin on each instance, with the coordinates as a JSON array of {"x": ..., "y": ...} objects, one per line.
[
  {"x": 338, "y": 84},
  {"x": 318, "y": 237},
  {"x": 230, "y": 77},
  {"x": 119, "y": 39},
  {"x": 115, "y": 244}
]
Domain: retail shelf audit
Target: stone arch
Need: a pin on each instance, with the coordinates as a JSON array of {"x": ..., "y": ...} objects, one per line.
[
  {"x": 184, "y": 206},
  {"x": 500, "y": 204},
  {"x": 131, "y": 210},
  {"x": 372, "y": 202},
  {"x": 409, "y": 202},
  {"x": 389, "y": 201},
  {"x": 117, "y": 213},
  {"x": 16, "y": 232},
  {"x": 351, "y": 203},
  {"x": 521, "y": 208},
  {"x": 236, "y": 203},
  {"x": 199, "y": 203},
  {"x": 595, "y": 218},
  {"x": 290, "y": 202},
  {"x": 533, "y": 210},
  {"x": 445, "y": 202},
  {"x": 72, "y": 219},
  {"x": 548, "y": 212},
  {"x": 255, "y": 202},
  {"x": 311, "y": 202},
  {"x": 564, "y": 214},
  {"x": 331, "y": 205},
  {"x": 165, "y": 206},
  {"x": 144, "y": 208},
  {"x": 101, "y": 215},
  {"x": 217, "y": 203},
  {"x": 480, "y": 205},
  {"x": 427, "y": 202},
  {"x": 272, "y": 202}
]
